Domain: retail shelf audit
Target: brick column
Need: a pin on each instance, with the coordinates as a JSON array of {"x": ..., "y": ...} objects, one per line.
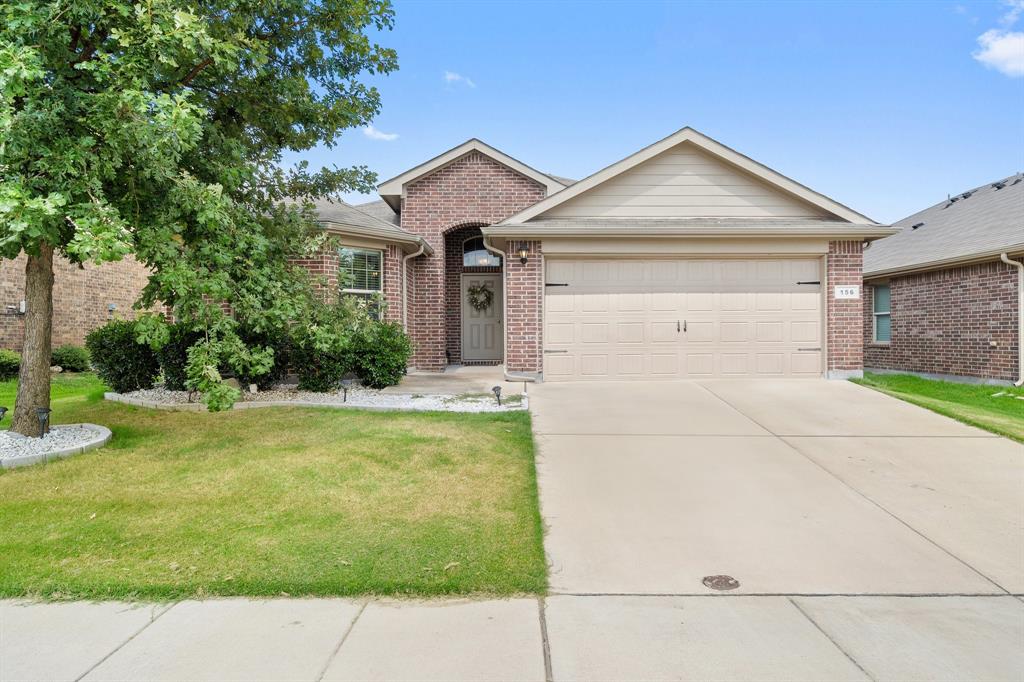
[
  {"x": 392, "y": 283},
  {"x": 525, "y": 299},
  {"x": 845, "y": 317}
]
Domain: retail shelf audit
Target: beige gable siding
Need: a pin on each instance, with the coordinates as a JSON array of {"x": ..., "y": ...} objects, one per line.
[{"x": 684, "y": 182}]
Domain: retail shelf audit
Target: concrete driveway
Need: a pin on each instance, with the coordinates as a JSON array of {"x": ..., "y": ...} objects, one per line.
[{"x": 851, "y": 520}]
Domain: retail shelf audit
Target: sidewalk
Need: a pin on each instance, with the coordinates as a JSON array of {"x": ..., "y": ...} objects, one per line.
[{"x": 562, "y": 637}]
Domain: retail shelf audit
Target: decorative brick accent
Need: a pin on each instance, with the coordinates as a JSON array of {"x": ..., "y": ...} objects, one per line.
[
  {"x": 525, "y": 309},
  {"x": 845, "y": 317},
  {"x": 472, "y": 190},
  {"x": 81, "y": 297},
  {"x": 958, "y": 321}
]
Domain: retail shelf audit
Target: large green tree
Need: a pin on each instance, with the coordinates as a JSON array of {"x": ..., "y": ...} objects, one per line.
[{"x": 158, "y": 128}]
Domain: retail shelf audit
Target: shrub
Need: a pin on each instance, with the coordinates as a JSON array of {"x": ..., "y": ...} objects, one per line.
[
  {"x": 278, "y": 341},
  {"x": 322, "y": 343},
  {"x": 121, "y": 362},
  {"x": 380, "y": 354},
  {"x": 173, "y": 355},
  {"x": 71, "y": 358},
  {"x": 10, "y": 363}
]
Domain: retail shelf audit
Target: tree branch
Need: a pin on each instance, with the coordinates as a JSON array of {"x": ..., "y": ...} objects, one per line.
[{"x": 195, "y": 71}]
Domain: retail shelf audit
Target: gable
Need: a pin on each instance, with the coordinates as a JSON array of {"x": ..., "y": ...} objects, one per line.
[{"x": 685, "y": 182}]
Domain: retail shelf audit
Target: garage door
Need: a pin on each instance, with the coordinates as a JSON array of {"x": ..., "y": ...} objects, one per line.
[{"x": 671, "y": 319}]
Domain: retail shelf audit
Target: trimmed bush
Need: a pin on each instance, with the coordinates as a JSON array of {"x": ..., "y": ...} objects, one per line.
[
  {"x": 380, "y": 354},
  {"x": 173, "y": 355},
  {"x": 322, "y": 343},
  {"x": 71, "y": 358},
  {"x": 10, "y": 363},
  {"x": 121, "y": 362}
]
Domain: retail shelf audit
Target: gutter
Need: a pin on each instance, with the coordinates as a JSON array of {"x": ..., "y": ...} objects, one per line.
[
  {"x": 405, "y": 284},
  {"x": 504, "y": 311},
  {"x": 1020, "y": 316}
]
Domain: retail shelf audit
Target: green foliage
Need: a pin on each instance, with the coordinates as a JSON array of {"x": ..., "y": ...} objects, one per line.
[
  {"x": 323, "y": 341},
  {"x": 380, "y": 354},
  {"x": 275, "y": 340},
  {"x": 161, "y": 129},
  {"x": 204, "y": 376},
  {"x": 173, "y": 354},
  {"x": 10, "y": 363},
  {"x": 71, "y": 358},
  {"x": 120, "y": 360}
]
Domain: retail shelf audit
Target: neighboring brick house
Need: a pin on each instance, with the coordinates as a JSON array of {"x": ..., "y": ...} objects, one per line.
[
  {"x": 84, "y": 297},
  {"x": 684, "y": 260},
  {"x": 940, "y": 300}
]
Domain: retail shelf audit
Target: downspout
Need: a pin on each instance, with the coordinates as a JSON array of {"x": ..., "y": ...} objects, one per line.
[
  {"x": 504, "y": 309},
  {"x": 405, "y": 284},
  {"x": 1020, "y": 316}
]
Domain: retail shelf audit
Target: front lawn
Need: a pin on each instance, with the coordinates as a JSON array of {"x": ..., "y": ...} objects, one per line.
[
  {"x": 973, "y": 404},
  {"x": 294, "y": 501}
]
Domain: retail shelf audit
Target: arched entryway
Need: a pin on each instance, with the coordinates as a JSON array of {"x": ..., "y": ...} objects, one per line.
[{"x": 473, "y": 299}]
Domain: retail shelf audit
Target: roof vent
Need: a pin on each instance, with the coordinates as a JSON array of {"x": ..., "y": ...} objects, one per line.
[
  {"x": 998, "y": 185},
  {"x": 1019, "y": 178},
  {"x": 916, "y": 225},
  {"x": 967, "y": 195}
]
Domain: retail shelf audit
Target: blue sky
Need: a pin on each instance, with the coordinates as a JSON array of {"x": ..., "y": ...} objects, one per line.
[{"x": 886, "y": 106}]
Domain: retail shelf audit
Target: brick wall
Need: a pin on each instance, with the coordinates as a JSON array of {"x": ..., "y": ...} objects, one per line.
[
  {"x": 525, "y": 309},
  {"x": 453, "y": 270},
  {"x": 81, "y": 297},
  {"x": 946, "y": 322},
  {"x": 472, "y": 190},
  {"x": 845, "y": 317},
  {"x": 323, "y": 266}
]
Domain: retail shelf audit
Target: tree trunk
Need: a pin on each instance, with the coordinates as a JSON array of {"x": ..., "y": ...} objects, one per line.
[{"x": 34, "y": 375}]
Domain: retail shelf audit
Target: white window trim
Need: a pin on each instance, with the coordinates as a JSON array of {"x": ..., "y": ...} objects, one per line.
[
  {"x": 347, "y": 290},
  {"x": 875, "y": 315}
]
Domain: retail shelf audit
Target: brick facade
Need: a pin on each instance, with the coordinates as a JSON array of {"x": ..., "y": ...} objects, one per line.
[
  {"x": 958, "y": 321},
  {"x": 845, "y": 317},
  {"x": 82, "y": 297},
  {"x": 524, "y": 317},
  {"x": 472, "y": 190}
]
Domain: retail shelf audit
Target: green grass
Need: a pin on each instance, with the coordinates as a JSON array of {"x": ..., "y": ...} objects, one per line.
[
  {"x": 275, "y": 501},
  {"x": 977, "y": 405}
]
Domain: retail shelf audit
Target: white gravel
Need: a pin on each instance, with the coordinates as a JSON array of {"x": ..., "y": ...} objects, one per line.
[
  {"x": 357, "y": 397},
  {"x": 13, "y": 445}
]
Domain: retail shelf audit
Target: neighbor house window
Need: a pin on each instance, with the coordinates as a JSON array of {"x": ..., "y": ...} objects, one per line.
[
  {"x": 359, "y": 275},
  {"x": 883, "y": 318},
  {"x": 474, "y": 255}
]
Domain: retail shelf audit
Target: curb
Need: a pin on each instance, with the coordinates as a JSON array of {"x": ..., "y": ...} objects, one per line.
[
  {"x": 200, "y": 407},
  {"x": 101, "y": 438}
]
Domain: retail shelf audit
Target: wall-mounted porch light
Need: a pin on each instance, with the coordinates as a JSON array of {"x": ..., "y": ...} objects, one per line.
[{"x": 523, "y": 254}]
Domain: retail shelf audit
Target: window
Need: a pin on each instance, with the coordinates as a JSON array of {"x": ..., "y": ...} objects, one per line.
[
  {"x": 474, "y": 255},
  {"x": 883, "y": 319},
  {"x": 359, "y": 274}
]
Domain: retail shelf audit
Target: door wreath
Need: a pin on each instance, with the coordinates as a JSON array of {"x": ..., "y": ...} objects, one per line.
[{"x": 481, "y": 296}]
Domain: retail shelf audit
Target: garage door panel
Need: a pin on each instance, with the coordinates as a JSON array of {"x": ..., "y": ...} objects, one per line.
[{"x": 622, "y": 319}]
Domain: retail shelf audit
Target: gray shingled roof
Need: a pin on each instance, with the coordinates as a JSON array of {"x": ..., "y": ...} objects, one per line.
[
  {"x": 380, "y": 209},
  {"x": 977, "y": 223}
]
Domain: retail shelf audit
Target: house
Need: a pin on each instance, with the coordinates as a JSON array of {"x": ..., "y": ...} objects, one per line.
[
  {"x": 84, "y": 297},
  {"x": 940, "y": 298},
  {"x": 686, "y": 259}
]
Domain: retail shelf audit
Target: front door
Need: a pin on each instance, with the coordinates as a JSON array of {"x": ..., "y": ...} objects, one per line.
[{"x": 482, "y": 315}]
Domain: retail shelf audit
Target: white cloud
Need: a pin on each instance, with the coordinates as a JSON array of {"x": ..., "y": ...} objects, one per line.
[
  {"x": 1002, "y": 49},
  {"x": 453, "y": 78},
  {"x": 375, "y": 134}
]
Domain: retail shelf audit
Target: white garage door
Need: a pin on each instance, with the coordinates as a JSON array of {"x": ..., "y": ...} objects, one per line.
[{"x": 649, "y": 319}]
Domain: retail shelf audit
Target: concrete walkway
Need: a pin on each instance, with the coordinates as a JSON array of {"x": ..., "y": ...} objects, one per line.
[{"x": 559, "y": 638}]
